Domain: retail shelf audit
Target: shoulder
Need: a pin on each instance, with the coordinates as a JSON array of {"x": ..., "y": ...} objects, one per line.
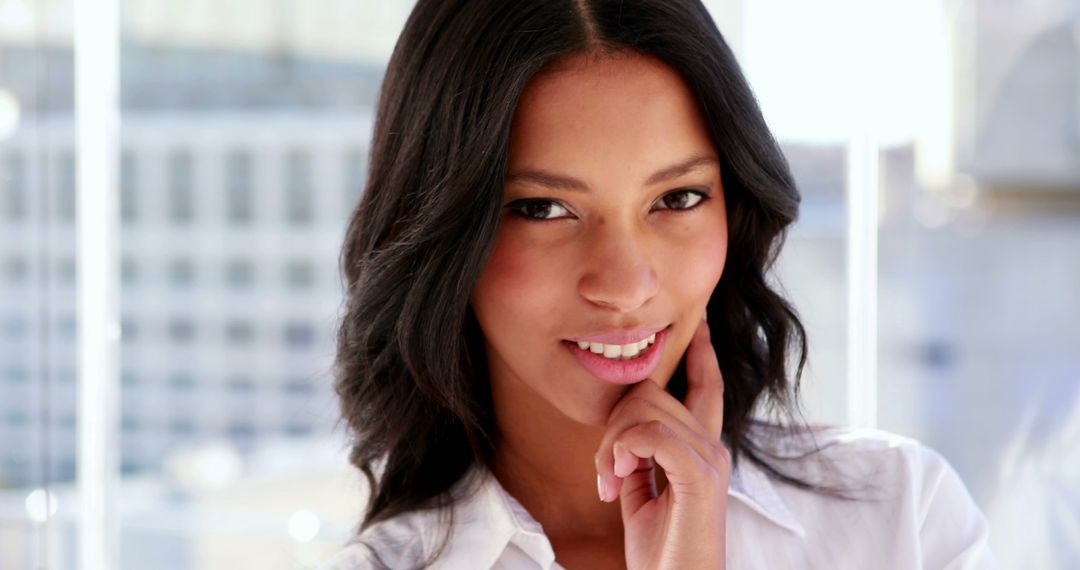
[
  {"x": 396, "y": 543},
  {"x": 791, "y": 442},
  {"x": 352, "y": 557},
  {"x": 400, "y": 542},
  {"x": 902, "y": 463},
  {"x": 883, "y": 454},
  {"x": 835, "y": 455},
  {"x": 903, "y": 491},
  {"x": 409, "y": 539}
]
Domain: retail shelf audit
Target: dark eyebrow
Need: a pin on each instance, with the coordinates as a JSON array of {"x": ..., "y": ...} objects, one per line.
[{"x": 558, "y": 181}]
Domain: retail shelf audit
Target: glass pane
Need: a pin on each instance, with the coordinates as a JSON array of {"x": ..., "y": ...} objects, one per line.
[
  {"x": 39, "y": 510},
  {"x": 980, "y": 272},
  {"x": 812, "y": 268},
  {"x": 979, "y": 217},
  {"x": 129, "y": 205},
  {"x": 245, "y": 129},
  {"x": 245, "y": 133},
  {"x": 240, "y": 200}
]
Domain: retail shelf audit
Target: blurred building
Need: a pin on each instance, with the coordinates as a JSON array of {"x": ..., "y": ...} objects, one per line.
[
  {"x": 1018, "y": 105},
  {"x": 244, "y": 149},
  {"x": 245, "y": 132},
  {"x": 238, "y": 174}
]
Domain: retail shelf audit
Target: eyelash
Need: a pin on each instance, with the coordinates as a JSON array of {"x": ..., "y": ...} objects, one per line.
[{"x": 517, "y": 207}]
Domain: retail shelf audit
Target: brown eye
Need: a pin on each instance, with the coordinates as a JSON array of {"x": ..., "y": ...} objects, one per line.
[
  {"x": 538, "y": 210},
  {"x": 682, "y": 199}
]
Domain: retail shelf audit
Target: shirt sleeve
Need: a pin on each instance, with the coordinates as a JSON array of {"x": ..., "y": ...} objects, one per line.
[{"x": 953, "y": 533}]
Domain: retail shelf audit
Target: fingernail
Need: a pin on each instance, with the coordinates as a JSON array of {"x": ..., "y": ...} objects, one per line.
[
  {"x": 705, "y": 315},
  {"x": 600, "y": 487}
]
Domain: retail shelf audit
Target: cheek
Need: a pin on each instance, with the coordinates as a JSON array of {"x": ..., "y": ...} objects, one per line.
[
  {"x": 694, "y": 263},
  {"x": 519, "y": 282},
  {"x": 525, "y": 278},
  {"x": 714, "y": 255}
]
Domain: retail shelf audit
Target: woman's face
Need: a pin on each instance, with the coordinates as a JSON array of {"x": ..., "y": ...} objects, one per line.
[{"x": 613, "y": 221}]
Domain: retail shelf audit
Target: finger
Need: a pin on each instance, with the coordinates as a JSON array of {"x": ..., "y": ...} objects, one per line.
[
  {"x": 643, "y": 405},
  {"x": 654, "y": 443},
  {"x": 631, "y": 410},
  {"x": 705, "y": 383},
  {"x": 656, "y": 396},
  {"x": 640, "y": 481},
  {"x": 608, "y": 482}
]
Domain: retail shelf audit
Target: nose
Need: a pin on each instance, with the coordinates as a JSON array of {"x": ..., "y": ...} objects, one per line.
[{"x": 620, "y": 272}]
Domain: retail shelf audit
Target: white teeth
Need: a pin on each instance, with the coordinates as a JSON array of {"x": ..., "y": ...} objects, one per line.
[{"x": 617, "y": 351}]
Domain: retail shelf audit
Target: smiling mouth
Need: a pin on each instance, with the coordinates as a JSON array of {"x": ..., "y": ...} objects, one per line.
[
  {"x": 618, "y": 351},
  {"x": 621, "y": 368}
]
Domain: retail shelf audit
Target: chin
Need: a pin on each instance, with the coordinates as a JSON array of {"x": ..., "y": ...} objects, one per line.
[
  {"x": 597, "y": 412},
  {"x": 595, "y": 418}
]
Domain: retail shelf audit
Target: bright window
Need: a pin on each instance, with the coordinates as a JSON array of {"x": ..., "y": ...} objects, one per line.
[{"x": 934, "y": 261}]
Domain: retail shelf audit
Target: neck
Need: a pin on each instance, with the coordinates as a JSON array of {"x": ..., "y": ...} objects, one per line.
[{"x": 545, "y": 460}]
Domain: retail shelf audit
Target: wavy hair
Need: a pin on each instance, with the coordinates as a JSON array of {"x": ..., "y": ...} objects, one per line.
[{"x": 410, "y": 368}]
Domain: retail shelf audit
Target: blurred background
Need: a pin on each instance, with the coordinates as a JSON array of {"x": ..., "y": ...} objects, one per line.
[{"x": 950, "y": 129}]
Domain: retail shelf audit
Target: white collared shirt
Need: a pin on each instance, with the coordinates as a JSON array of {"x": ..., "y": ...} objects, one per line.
[{"x": 913, "y": 512}]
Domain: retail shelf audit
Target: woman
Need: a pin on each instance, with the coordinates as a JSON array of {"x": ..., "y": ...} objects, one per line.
[{"x": 557, "y": 274}]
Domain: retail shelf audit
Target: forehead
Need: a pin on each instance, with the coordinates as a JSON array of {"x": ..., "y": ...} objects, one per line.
[{"x": 627, "y": 113}]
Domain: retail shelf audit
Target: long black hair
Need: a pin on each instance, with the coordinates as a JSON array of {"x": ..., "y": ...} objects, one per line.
[{"x": 410, "y": 369}]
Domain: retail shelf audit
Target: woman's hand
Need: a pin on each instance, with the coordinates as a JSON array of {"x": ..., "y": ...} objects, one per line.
[{"x": 685, "y": 525}]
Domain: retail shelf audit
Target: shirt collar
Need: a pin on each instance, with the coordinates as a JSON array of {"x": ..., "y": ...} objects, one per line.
[{"x": 487, "y": 522}]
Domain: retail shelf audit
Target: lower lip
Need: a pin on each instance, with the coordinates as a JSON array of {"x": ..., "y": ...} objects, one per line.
[{"x": 622, "y": 371}]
